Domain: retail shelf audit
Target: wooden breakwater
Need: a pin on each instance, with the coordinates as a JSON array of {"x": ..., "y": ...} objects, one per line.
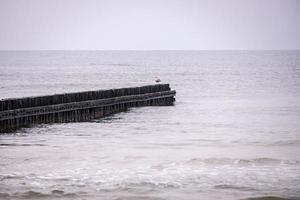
[{"x": 81, "y": 106}]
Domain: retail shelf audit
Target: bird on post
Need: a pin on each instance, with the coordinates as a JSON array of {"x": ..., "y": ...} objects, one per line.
[{"x": 157, "y": 80}]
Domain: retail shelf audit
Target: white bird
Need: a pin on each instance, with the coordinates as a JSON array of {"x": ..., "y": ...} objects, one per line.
[{"x": 157, "y": 80}]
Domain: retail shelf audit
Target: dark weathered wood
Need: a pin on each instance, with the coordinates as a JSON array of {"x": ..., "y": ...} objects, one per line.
[{"x": 82, "y": 106}]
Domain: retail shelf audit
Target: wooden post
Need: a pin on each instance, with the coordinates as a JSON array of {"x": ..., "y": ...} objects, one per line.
[{"x": 82, "y": 106}]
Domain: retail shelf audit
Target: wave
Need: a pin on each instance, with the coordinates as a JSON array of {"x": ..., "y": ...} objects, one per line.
[
  {"x": 112, "y": 64},
  {"x": 31, "y": 194},
  {"x": 10, "y": 176},
  {"x": 4, "y": 195},
  {"x": 231, "y": 161},
  {"x": 235, "y": 187},
  {"x": 15, "y": 144},
  {"x": 271, "y": 198},
  {"x": 285, "y": 143}
]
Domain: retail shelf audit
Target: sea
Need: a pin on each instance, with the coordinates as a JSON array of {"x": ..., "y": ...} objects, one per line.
[{"x": 233, "y": 132}]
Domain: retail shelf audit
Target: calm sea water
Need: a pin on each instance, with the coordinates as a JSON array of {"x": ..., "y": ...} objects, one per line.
[{"x": 234, "y": 132}]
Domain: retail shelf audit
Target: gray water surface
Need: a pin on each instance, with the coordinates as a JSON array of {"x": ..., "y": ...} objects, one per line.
[{"x": 234, "y": 132}]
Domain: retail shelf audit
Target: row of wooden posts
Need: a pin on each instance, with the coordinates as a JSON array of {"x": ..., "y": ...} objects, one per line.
[{"x": 81, "y": 106}]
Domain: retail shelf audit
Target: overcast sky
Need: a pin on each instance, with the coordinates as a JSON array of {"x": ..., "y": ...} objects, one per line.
[{"x": 149, "y": 24}]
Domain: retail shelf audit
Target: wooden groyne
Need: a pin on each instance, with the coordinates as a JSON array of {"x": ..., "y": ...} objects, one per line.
[{"x": 81, "y": 106}]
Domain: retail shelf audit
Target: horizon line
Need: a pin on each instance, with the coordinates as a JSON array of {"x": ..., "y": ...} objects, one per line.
[{"x": 150, "y": 49}]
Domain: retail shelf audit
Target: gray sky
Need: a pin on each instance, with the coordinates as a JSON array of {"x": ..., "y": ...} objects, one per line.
[{"x": 149, "y": 24}]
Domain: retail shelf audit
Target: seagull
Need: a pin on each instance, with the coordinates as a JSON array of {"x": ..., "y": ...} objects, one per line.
[{"x": 157, "y": 80}]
